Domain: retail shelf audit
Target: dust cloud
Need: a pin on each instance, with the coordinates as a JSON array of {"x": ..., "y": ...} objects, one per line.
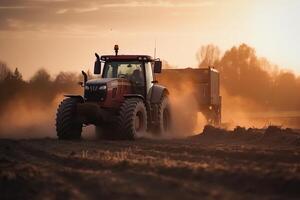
[
  {"x": 27, "y": 108},
  {"x": 21, "y": 120},
  {"x": 185, "y": 116}
]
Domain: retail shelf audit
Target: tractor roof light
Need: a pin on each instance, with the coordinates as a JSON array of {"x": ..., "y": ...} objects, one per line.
[{"x": 116, "y": 48}]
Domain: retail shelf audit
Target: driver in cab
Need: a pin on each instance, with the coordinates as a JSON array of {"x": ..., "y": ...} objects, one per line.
[{"x": 137, "y": 77}]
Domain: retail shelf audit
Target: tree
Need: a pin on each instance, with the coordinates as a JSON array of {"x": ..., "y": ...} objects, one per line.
[
  {"x": 40, "y": 77},
  {"x": 286, "y": 91},
  {"x": 4, "y": 71},
  {"x": 208, "y": 55},
  {"x": 242, "y": 74},
  {"x": 66, "y": 78},
  {"x": 17, "y": 75}
]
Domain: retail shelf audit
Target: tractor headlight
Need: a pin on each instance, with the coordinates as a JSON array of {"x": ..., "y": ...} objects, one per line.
[{"x": 102, "y": 87}]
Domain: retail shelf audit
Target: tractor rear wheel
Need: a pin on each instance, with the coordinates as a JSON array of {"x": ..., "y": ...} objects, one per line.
[
  {"x": 132, "y": 120},
  {"x": 68, "y": 126}
]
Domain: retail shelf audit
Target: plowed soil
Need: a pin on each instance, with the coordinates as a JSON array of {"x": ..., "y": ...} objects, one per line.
[{"x": 200, "y": 167}]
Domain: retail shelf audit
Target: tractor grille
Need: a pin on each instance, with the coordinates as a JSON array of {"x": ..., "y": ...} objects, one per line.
[{"x": 93, "y": 93}]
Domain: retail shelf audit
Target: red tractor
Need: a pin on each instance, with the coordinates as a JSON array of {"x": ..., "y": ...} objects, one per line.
[{"x": 124, "y": 103}]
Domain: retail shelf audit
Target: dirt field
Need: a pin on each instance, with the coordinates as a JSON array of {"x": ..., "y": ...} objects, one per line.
[{"x": 224, "y": 166}]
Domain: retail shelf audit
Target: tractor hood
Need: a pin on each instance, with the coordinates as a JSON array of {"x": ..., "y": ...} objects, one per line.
[
  {"x": 101, "y": 81},
  {"x": 109, "y": 83}
]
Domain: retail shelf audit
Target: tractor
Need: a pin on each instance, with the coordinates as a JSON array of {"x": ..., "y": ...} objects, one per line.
[{"x": 125, "y": 102}]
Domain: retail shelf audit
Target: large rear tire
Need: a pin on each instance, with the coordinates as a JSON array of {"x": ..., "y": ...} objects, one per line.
[
  {"x": 132, "y": 119},
  {"x": 68, "y": 127}
]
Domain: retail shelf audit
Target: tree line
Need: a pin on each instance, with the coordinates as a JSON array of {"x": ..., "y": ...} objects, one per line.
[{"x": 41, "y": 88}]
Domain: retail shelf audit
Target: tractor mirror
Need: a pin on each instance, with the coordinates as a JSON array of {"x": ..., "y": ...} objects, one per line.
[
  {"x": 97, "y": 66},
  {"x": 157, "y": 66}
]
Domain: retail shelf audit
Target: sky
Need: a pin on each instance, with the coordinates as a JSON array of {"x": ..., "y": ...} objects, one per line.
[{"x": 62, "y": 35}]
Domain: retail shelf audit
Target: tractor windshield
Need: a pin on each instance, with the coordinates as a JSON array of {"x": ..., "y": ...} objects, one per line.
[{"x": 131, "y": 70}]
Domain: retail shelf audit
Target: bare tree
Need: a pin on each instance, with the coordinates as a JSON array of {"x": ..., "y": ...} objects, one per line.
[
  {"x": 4, "y": 71},
  {"x": 208, "y": 55},
  {"x": 17, "y": 75},
  {"x": 66, "y": 78},
  {"x": 41, "y": 76}
]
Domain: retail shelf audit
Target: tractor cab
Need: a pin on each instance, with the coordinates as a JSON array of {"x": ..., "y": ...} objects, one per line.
[
  {"x": 136, "y": 69},
  {"x": 123, "y": 75}
]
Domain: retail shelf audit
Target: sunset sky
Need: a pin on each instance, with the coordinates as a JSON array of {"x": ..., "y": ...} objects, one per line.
[{"x": 62, "y": 35}]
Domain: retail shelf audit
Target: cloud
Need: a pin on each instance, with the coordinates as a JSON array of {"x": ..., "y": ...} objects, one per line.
[
  {"x": 135, "y": 4},
  {"x": 13, "y": 7},
  {"x": 21, "y": 15},
  {"x": 88, "y": 9},
  {"x": 162, "y": 4},
  {"x": 62, "y": 11},
  {"x": 50, "y": 0},
  {"x": 77, "y": 10}
]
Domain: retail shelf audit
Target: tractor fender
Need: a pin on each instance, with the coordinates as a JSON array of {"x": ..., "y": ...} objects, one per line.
[
  {"x": 157, "y": 92},
  {"x": 79, "y": 97},
  {"x": 126, "y": 96}
]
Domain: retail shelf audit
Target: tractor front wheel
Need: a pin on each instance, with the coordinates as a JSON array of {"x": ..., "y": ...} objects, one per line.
[
  {"x": 68, "y": 126},
  {"x": 132, "y": 120}
]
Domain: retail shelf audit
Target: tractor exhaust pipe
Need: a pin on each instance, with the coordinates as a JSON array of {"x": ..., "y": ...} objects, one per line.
[
  {"x": 116, "y": 48},
  {"x": 84, "y": 77}
]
